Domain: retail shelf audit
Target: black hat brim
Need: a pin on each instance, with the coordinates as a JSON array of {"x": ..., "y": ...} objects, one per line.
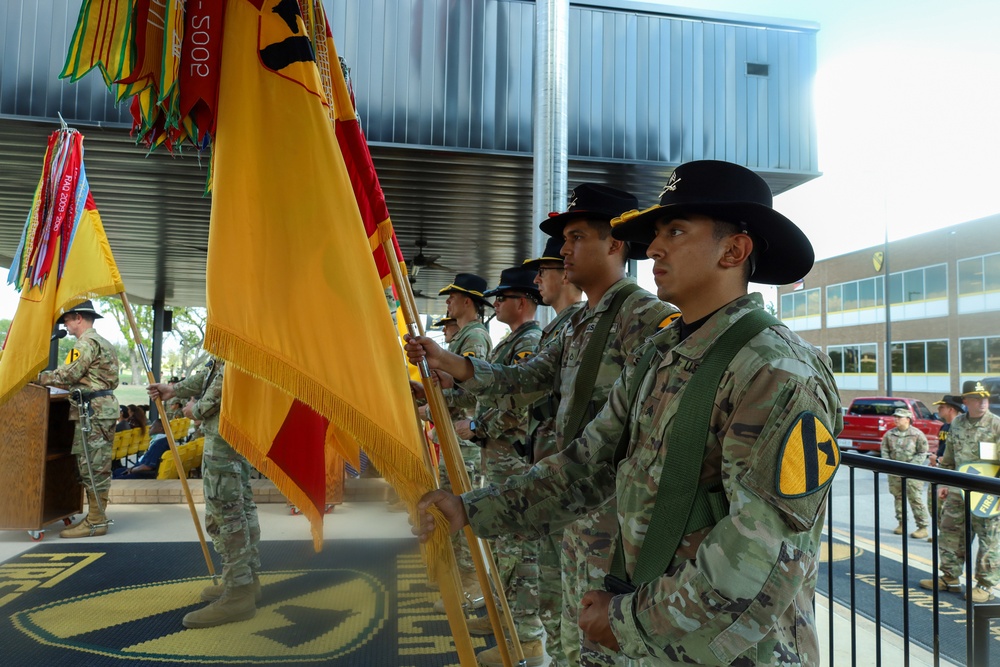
[
  {"x": 787, "y": 254},
  {"x": 554, "y": 227},
  {"x": 458, "y": 290},
  {"x": 531, "y": 291},
  {"x": 535, "y": 263}
]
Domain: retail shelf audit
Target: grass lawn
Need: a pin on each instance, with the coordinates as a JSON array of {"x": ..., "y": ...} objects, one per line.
[{"x": 132, "y": 394}]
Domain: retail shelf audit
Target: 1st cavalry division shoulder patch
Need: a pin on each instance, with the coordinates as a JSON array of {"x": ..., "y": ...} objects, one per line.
[{"x": 808, "y": 459}]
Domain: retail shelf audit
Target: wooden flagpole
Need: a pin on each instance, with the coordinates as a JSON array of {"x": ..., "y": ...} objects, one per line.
[
  {"x": 170, "y": 437},
  {"x": 458, "y": 475}
]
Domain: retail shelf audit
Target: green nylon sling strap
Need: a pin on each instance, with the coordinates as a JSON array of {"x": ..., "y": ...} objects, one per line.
[
  {"x": 511, "y": 343},
  {"x": 682, "y": 506},
  {"x": 586, "y": 377}
]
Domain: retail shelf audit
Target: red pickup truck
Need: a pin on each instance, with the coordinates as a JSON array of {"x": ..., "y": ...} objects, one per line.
[{"x": 868, "y": 419}]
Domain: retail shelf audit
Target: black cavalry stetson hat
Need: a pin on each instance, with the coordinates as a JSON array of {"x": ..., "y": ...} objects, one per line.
[
  {"x": 517, "y": 279},
  {"x": 552, "y": 253},
  {"x": 590, "y": 200},
  {"x": 974, "y": 388},
  {"x": 731, "y": 193},
  {"x": 468, "y": 284},
  {"x": 953, "y": 401},
  {"x": 87, "y": 308}
]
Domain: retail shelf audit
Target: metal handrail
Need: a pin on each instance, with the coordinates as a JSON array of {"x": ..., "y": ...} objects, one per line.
[{"x": 977, "y": 629}]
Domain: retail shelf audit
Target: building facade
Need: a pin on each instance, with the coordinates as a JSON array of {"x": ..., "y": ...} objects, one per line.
[{"x": 943, "y": 309}]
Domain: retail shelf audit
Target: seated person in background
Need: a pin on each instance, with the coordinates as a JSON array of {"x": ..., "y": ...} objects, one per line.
[
  {"x": 122, "y": 424},
  {"x": 137, "y": 418},
  {"x": 174, "y": 406},
  {"x": 149, "y": 464}
]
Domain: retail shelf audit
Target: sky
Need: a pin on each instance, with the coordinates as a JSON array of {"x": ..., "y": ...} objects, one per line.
[{"x": 906, "y": 99}]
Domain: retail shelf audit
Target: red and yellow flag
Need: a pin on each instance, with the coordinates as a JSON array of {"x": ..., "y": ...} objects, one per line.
[
  {"x": 62, "y": 260},
  {"x": 295, "y": 303}
]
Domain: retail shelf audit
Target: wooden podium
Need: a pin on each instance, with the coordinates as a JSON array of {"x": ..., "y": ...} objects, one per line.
[{"x": 38, "y": 482}]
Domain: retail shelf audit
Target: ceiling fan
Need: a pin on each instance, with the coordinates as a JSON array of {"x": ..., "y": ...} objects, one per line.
[
  {"x": 421, "y": 261},
  {"x": 416, "y": 292}
]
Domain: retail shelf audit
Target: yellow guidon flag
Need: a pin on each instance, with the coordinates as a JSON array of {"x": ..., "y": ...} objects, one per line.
[
  {"x": 62, "y": 260},
  {"x": 296, "y": 304}
]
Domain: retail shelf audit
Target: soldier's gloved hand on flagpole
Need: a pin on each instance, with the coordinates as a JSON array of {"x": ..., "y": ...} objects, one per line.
[
  {"x": 161, "y": 390},
  {"x": 421, "y": 348},
  {"x": 449, "y": 505}
]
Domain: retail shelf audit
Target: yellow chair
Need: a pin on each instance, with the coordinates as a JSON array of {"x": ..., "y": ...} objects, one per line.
[
  {"x": 144, "y": 442},
  {"x": 133, "y": 443},
  {"x": 121, "y": 445},
  {"x": 167, "y": 469}
]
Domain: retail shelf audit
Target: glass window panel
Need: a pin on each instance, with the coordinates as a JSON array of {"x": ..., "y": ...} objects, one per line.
[
  {"x": 993, "y": 356},
  {"x": 897, "y": 357},
  {"x": 922, "y": 411},
  {"x": 866, "y": 293},
  {"x": 915, "y": 362},
  {"x": 991, "y": 278},
  {"x": 896, "y": 288},
  {"x": 851, "y": 359},
  {"x": 787, "y": 310},
  {"x": 913, "y": 285},
  {"x": 869, "y": 358},
  {"x": 800, "y": 305},
  {"x": 936, "y": 282},
  {"x": 812, "y": 302},
  {"x": 834, "y": 304},
  {"x": 850, "y": 296},
  {"x": 879, "y": 293},
  {"x": 970, "y": 275},
  {"x": 836, "y": 358},
  {"x": 937, "y": 356},
  {"x": 972, "y": 356}
]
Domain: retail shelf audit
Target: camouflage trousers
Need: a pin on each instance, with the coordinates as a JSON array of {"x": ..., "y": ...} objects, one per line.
[
  {"x": 952, "y": 541},
  {"x": 550, "y": 596},
  {"x": 100, "y": 450},
  {"x": 586, "y": 559},
  {"x": 914, "y": 495},
  {"x": 230, "y": 512},
  {"x": 470, "y": 455},
  {"x": 517, "y": 559}
]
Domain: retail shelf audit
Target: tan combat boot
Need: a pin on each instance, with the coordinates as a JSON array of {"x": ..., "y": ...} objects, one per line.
[
  {"x": 944, "y": 583},
  {"x": 920, "y": 533},
  {"x": 473, "y": 598},
  {"x": 236, "y": 604},
  {"x": 213, "y": 593},
  {"x": 479, "y": 626},
  {"x": 534, "y": 654},
  {"x": 96, "y": 522},
  {"x": 980, "y": 594},
  {"x": 899, "y": 530}
]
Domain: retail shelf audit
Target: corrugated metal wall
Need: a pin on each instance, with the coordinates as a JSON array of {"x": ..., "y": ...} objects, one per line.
[{"x": 643, "y": 87}]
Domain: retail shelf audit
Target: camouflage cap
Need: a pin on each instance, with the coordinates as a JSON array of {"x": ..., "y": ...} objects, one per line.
[{"x": 902, "y": 412}]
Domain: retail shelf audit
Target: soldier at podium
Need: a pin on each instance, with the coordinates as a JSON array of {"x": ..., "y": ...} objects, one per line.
[{"x": 91, "y": 380}]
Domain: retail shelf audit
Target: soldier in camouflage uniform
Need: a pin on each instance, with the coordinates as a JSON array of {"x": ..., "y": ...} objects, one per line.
[
  {"x": 230, "y": 512},
  {"x": 502, "y": 435},
  {"x": 908, "y": 444},
  {"x": 739, "y": 589},
  {"x": 595, "y": 262},
  {"x": 965, "y": 439},
  {"x": 467, "y": 306},
  {"x": 565, "y": 298},
  {"x": 95, "y": 373}
]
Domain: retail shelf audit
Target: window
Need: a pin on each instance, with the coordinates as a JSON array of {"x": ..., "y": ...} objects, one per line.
[
  {"x": 979, "y": 274},
  {"x": 800, "y": 304},
  {"x": 853, "y": 358},
  {"x": 930, "y": 282},
  {"x": 991, "y": 272},
  {"x": 856, "y": 294},
  {"x": 979, "y": 356},
  {"x": 920, "y": 356}
]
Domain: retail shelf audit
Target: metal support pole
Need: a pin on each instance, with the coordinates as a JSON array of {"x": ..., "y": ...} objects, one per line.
[
  {"x": 888, "y": 314},
  {"x": 156, "y": 350},
  {"x": 550, "y": 109}
]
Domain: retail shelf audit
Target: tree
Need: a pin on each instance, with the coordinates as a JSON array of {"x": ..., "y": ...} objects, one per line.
[
  {"x": 188, "y": 332},
  {"x": 771, "y": 308},
  {"x": 4, "y": 328}
]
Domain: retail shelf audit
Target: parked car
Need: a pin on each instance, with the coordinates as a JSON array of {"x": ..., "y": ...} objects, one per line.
[{"x": 868, "y": 419}]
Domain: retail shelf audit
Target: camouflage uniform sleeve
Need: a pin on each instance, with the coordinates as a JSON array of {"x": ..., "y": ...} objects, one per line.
[
  {"x": 538, "y": 373},
  {"x": 70, "y": 374},
  {"x": 510, "y": 422},
  {"x": 457, "y": 397},
  {"x": 755, "y": 561},
  {"x": 920, "y": 455},
  {"x": 947, "y": 461},
  {"x": 559, "y": 488},
  {"x": 208, "y": 405},
  {"x": 883, "y": 450},
  {"x": 190, "y": 386}
]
